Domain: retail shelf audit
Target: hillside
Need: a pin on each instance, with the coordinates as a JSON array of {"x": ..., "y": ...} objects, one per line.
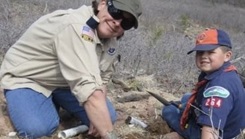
[{"x": 152, "y": 57}]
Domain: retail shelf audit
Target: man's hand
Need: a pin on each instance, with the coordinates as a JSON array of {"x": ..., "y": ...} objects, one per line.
[
  {"x": 93, "y": 131},
  {"x": 98, "y": 113},
  {"x": 110, "y": 135}
]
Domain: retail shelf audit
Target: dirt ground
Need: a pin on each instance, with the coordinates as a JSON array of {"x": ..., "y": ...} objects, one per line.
[
  {"x": 137, "y": 104},
  {"x": 145, "y": 109},
  {"x": 133, "y": 102}
]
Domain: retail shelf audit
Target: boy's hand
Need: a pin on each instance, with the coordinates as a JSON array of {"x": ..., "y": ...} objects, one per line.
[{"x": 209, "y": 133}]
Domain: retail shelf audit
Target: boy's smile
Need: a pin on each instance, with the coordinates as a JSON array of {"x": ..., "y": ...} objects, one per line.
[{"x": 209, "y": 61}]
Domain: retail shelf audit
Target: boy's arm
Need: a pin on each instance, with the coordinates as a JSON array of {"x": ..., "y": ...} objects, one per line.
[{"x": 209, "y": 133}]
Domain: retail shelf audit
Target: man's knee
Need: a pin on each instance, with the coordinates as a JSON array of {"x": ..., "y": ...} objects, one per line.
[{"x": 37, "y": 130}]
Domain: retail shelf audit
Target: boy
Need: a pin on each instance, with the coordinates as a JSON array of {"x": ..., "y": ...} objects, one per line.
[{"x": 215, "y": 109}]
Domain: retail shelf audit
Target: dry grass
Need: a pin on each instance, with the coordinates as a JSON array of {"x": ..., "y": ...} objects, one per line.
[
  {"x": 166, "y": 32},
  {"x": 158, "y": 47}
]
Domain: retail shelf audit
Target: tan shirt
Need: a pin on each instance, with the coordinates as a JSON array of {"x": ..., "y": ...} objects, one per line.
[{"x": 60, "y": 50}]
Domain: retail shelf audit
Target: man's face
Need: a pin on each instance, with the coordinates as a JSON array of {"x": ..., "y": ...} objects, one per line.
[
  {"x": 209, "y": 61},
  {"x": 108, "y": 26}
]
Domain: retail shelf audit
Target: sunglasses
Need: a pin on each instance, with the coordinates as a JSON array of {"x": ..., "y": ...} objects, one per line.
[{"x": 126, "y": 23}]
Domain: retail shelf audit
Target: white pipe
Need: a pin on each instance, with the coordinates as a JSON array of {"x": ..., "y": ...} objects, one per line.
[
  {"x": 72, "y": 131},
  {"x": 132, "y": 120}
]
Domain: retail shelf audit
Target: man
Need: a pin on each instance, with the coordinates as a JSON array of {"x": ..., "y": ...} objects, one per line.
[{"x": 65, "y": 60}]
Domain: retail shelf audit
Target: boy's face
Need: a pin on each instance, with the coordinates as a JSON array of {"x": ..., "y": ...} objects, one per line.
[{"x": 209, "y": 61}]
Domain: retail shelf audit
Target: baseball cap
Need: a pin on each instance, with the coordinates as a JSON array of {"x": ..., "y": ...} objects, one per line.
[
  {"x": 131, "y": 6},
  {"x": 211, "y": 39}
]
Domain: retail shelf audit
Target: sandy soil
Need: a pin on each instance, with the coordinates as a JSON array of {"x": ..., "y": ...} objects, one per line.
[
  {"x": 139, "y": 105},
  {"x": 145, "y": 109},
  {"x": 136, "y": 104}
]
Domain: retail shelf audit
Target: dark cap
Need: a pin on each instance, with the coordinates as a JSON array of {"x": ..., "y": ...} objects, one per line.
[
  {"x": 211, "y": 39},
  {"x": 131, "y": 6}
]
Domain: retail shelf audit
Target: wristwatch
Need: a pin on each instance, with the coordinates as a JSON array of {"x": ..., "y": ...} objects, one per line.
[{"x": 111, "y": 135}]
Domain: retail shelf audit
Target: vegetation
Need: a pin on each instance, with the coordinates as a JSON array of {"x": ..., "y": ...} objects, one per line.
[
  {"x": 158, "y": 47},
  {"x": 166, "y": 32}
]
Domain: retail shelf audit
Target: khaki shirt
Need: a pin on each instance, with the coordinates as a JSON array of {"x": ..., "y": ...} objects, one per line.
[{"x": 60, "y": 50}]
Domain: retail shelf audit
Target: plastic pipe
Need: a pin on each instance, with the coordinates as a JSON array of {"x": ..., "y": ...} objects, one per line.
[{"x": 72, "y": 131}]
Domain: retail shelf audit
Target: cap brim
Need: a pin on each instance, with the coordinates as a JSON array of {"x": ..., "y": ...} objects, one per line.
[
  {"x": 122, "y": 7},
  {"x": 204, "y": 47}
]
